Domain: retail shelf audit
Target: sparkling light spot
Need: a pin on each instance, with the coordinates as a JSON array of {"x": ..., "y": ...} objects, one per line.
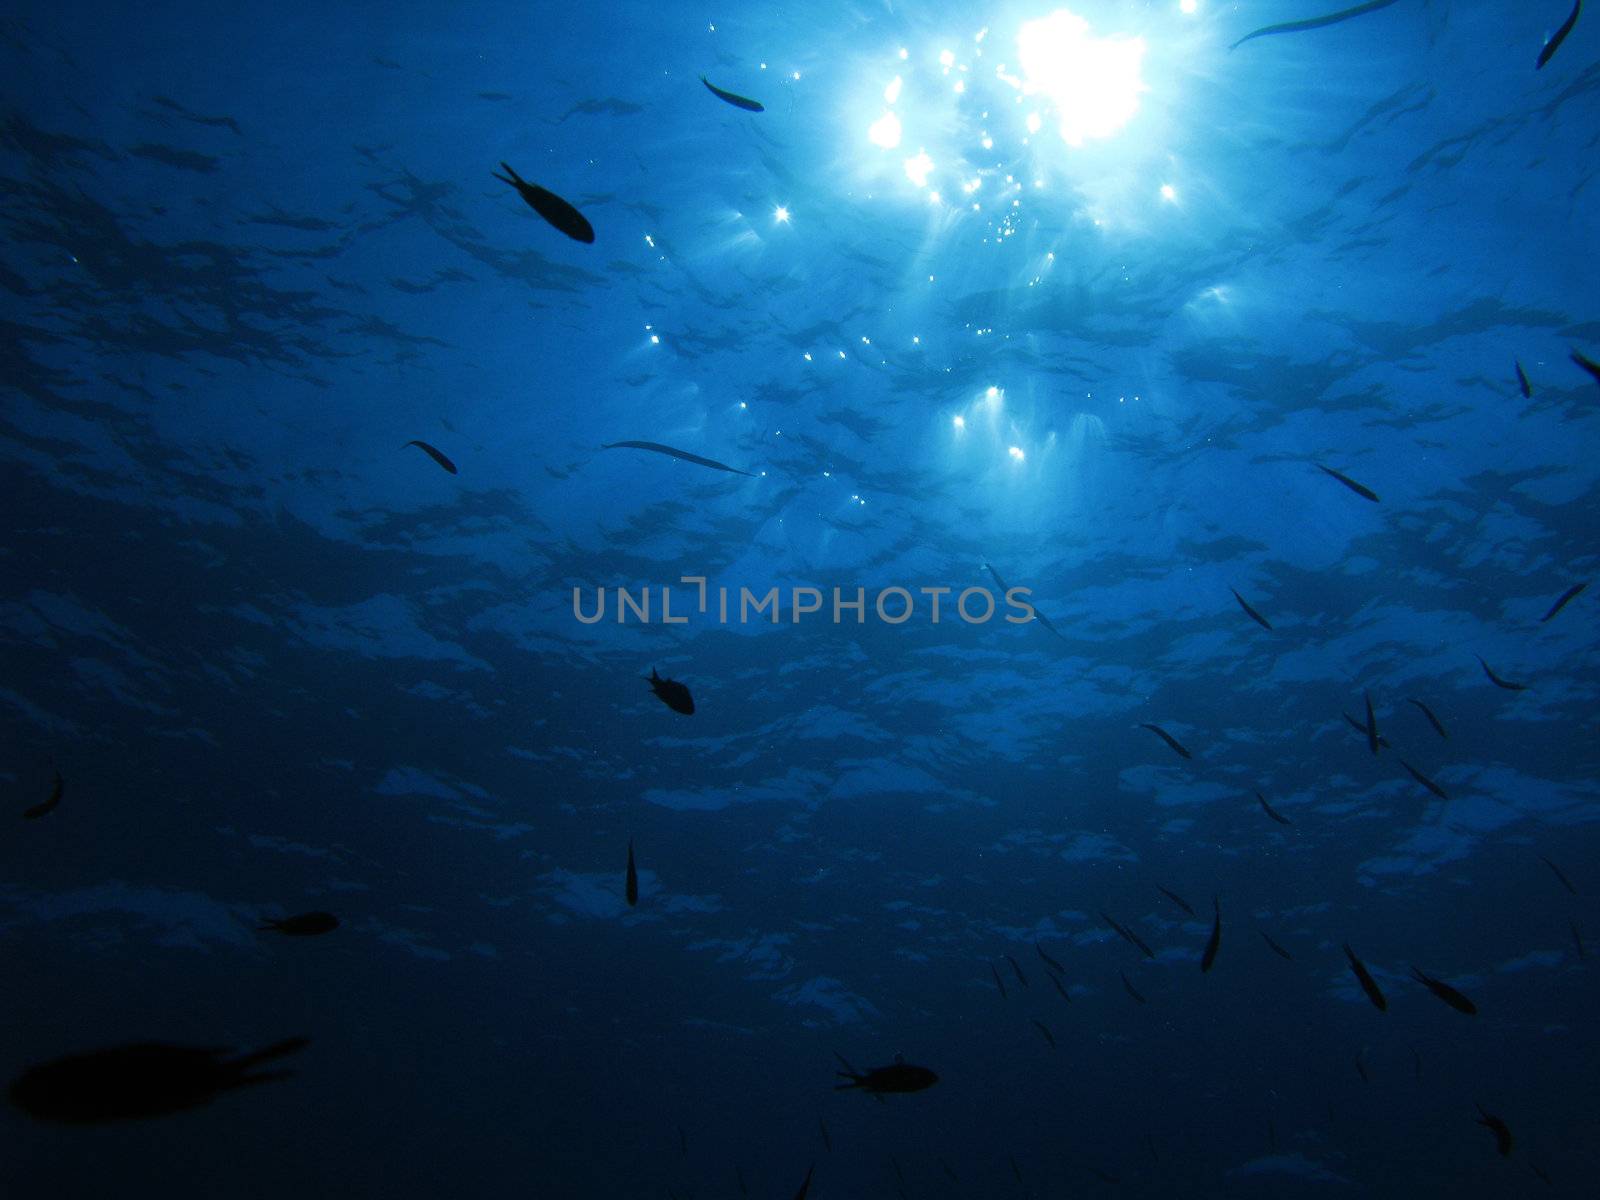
[
  {"x": 885, "y": 131},
  {"x": 918, "y": 168},
  {"x": 1093, "y": 82},
  {"x": 781, "y": 215},
  {"x": 947, "y": 59},
  {"x": 960, "y": 422},
  {"x": 1168, "y": 192},
  {"x": 892, "y": 92},
  {"x": 1016, "y": 453}
]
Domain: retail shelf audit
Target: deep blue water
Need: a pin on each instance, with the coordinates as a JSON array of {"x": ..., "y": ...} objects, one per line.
[{"x": 283, "y": 662}]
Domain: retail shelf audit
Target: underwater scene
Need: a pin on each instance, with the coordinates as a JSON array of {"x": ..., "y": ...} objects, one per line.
[{"x": 851, "y": 599}]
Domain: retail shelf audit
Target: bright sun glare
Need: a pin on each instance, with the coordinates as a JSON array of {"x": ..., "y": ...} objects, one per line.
[{"x": 1092, "y": 82}]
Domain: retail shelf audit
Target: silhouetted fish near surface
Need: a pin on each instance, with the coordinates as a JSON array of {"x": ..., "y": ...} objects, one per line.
[
  {"x": 44, "y": 807},
  {"x": 1343, "y": 14},
  {"x": 632, "y": 886},
  {"x": 1131, "y": 990},
  {"x": 1048, "y": 961},
  {"x": 1438, "y": 727},
  {"x": 673, "y": 694},
  {"x": 1553, "y": 45},
  {"x": 1127, "y": 935},
  {"x": 549, "y": 206},
  {"x": 1167, "y": 738},
  {"x": 998, "y": 982},
  {"x": 1522, "y": 382},
  {"x": 1005, "y": 591},
  {"x": 1496, "y": 680},
  {"x": 1210, "y": 956},
  {"x": 737, "y": 101},
  {"x": 1021, "y": 978},
  {"x": 1577, "y": 939},
  {"x": 1048, "y": 1036},
  {"x": 1368, "y": 984},
  {"x": 1559, "y": 874},
  {"x": 1570, "y": 594},
  {"x": 303, "y": 925},
  {"x": 434, "y": 454},
  {"x": 1503, "y": 1141},
  {"x": 147, "y": 1079},
  {"x": 1065, "y": 996},
  {"x": 1372, "y": 725},
  {"x": 1425, "y": 781},
  {"x": 1272, "y": 812},
  {"x": 1176, "y": 899},
  {"x": 1446, "y": 993},
  {"x": 806, "y": 1186},
  {"x": 1365, "y": 493},
  {"x": 658, "y": 448},
  {"x": 899, "y": 1076},
  {"x": 1588, "y": 364},
  {"x": 1276, "y": 949},
  {"x": 1250, "y": 612},
  {"x": 1362, "y": 729}
]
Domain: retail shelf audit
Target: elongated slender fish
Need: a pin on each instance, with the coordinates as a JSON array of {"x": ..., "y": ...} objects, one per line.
[
  {"x": 658, "y": 448},
  {"x": 1021, "y": 978},
  {"x": 1272, "y": 812},
  {"x": 1577, "y": 939},
  {"x": 549, "y": 206},
  {"x": 806, "y": 1186},
  {"x": 1166, "y": 737},
  {"x": 1588, "y": 364},
  {"x": 998, "y": 982},
  {"x": 1372, "y": 725},
  {"x": 44, "y": 807},
  {"x": 1176, "y": 899},
  {"x": 1522, "y": 382},
  {"x": 826, "y": 1140},
  {"x": 1432, "y": 720},
  {"x": 1210, "y": 956},
  {"x": 434, "y": 454},
  {"x": 1559, "y": 874},
  {"x": 1496, "y": 680},
  {"x": 738, "y": 1172},
  {"x": 633, "y": 878},
  {"x": 1314, "y": 22},
  {"x": 1446, "y": 993},
  {"x": 1362, "y": 729},
  {"x": 1276, "y": 949},
  {"x": 1015, "y": 1170},
  {"x": 1131, "y": 990},
  {"x": 1503, "y": 1141},
  {"x": 1570, "y": 594},
  {"x": 737, "y": 101},
  {"x": 1554, "y": 44},
  {"x": 1048, "y": 961},
  {"x": 1425, "y": 781},
  {"x": 1128, "y": 935},
  {"x": 1250, "y": 612},
  {"x": 1065, "y": 996},
  {"x": 1368, "y": 984},
  {"x": 1044, "y": 1029},
  {"x": 1039, "y": 616},
  {"x": 1365, "y": 493}
]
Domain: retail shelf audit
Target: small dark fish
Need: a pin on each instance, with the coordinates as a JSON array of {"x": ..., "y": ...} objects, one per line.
[
  {"x": 1503, "y": 1141},
  {"x": 897, "y": 1077},
  {"x": 806, "y": 1186},
  {"x": 1361, "y": 1068},
  {"x": 46, "y": 806},
  {"x": 1015, "y": 1170},
  {"x": 1539, "y": 1171},
  {"x": 1425, "y": 781},
  {"x": 1048, "y": 961},
  {"x": 1252, "y": 613},
  {"x": 303, "y": 925},
  {"x": 1102, "y": 1176},
  {"x": 1210, "y": 956},
  {"x": 633, "y": 878},
  {"x": 434, "y": 454},
  {"x": 147, "y": 1079},
  {"x": 1004, "y": 590},
  {"x": 1272, "y": 812},
  {"x": 827, "y": 1141},
  {"x": 1569, "y": 594},
  {"x": 998, "y": 982},
  {"x": 1522, "y": 382},
  {"x": 1128, "y": 935},
  {"x": 1559, "y": 874},
  {"x": 1314, "y": 22},
  {"x": 671, "y": 453},
  {"x": 1130, "y": 989},
  {"x": 737, "y": 101},
  {"x": 549, "y": 206},
  {"x": 1065, "y": 996},
  {"x": 1276, "y": 949},
  {"x": 1176, "y": 899},
  {"x": 1497, "y": 681},
  {"x": 1167, "y": 738},
  {"x": 1577, "y": 939},
  {"x": 673, "y": 694},
  {"x": 950, "y": 1171},
  {"x": 1383, "y": 742},
  {"x": 1432, "y": 720},
  {"x": 1048, "y": 1036},
  {"x": 1021, "y": 978},
  {"x": 1446, "y": 993},
  {"x": 1372, "y": 725},
  {"x": 1364, "y": 492},
  {"x": 1368, "y": 984},
  {"x": 1550, "y": 48}
]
